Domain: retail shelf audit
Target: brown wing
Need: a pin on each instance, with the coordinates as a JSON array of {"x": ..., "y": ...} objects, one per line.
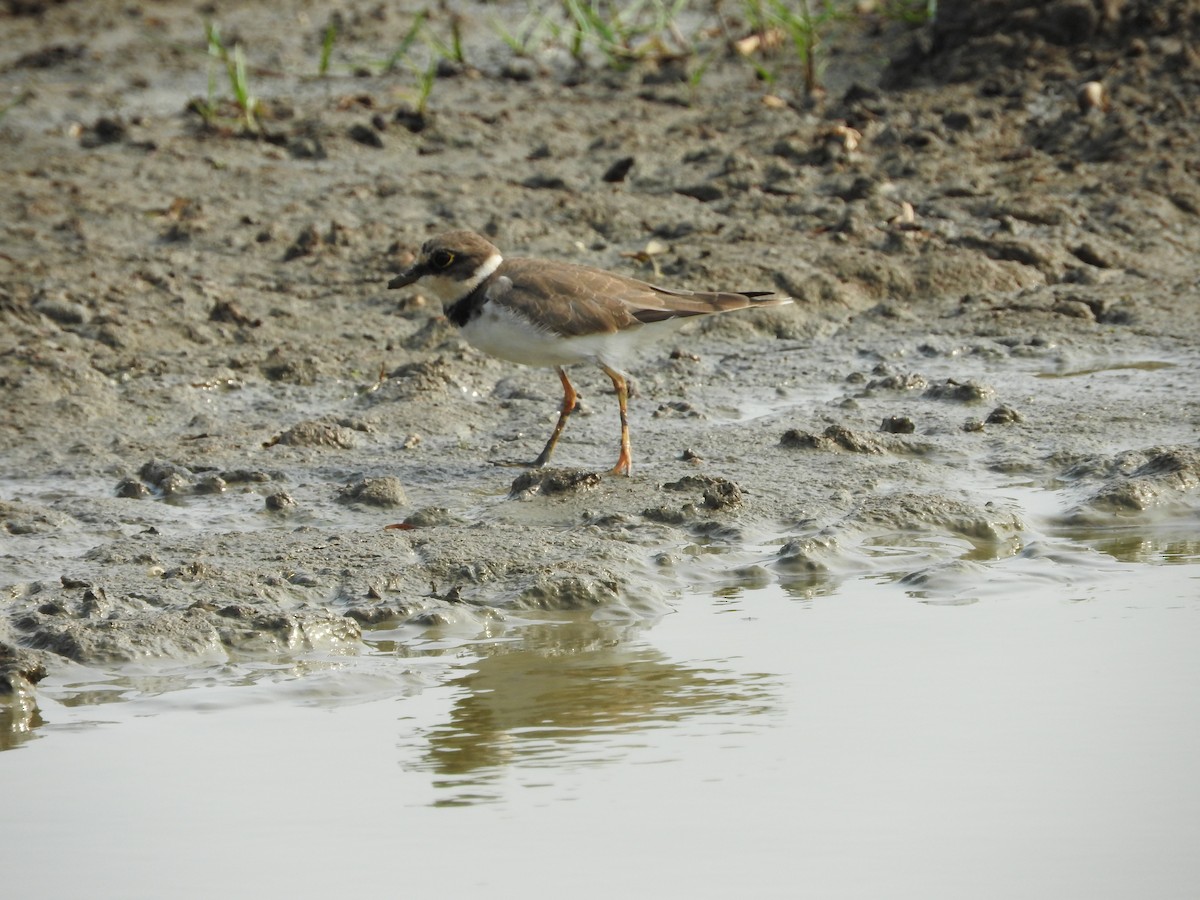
[
  {"x": 576, "y": 300},
  {"x": 675, "y": 304}
]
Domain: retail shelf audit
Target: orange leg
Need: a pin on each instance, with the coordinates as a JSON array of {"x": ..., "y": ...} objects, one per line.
[
  {"x": 568, "y": 406},
  {"x": 624, "y": 464}
]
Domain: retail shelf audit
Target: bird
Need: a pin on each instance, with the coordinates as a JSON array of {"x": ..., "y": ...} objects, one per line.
[{"x": 547, "y": 313}]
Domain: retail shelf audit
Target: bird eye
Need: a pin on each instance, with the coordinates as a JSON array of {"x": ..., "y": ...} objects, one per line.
[{"x": 442, "y": 259}]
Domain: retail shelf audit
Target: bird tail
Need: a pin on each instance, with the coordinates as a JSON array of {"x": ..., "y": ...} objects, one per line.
[{"x": 704, "y": 303}]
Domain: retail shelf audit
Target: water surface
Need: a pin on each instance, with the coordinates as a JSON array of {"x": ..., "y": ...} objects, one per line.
[{"x": 1037, "y": 739}]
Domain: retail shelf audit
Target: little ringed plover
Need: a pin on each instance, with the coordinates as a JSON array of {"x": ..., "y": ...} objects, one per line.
[{"x": 545, "y": 313}]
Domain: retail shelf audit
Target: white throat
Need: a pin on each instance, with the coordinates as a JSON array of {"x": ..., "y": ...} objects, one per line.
[{"x": 451, "y": 290}]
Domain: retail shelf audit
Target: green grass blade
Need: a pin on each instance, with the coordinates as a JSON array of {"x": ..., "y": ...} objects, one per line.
[
  {"x": 406, "y": 43},
  {"x": 327, "y": 48}
]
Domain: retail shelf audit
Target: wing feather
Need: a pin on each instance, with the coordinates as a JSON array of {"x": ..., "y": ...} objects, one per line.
[{"x": 574, "y": 300}]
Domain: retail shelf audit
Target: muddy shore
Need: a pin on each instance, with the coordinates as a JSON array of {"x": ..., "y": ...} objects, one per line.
[{"x": 214, "y": 409}]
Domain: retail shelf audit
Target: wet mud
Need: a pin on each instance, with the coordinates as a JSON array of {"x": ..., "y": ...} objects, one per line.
[{"x": 222, "y": 436}]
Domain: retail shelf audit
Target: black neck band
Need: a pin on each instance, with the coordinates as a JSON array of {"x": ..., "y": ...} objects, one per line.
[{"x": 463, "y": 311}]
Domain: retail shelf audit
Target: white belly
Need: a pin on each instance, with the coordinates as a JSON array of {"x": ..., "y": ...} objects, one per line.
[{"x": 500, "y": 333}]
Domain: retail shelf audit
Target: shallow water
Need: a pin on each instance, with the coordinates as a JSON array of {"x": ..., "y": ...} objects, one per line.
[{"x": 1033, "y": 737}]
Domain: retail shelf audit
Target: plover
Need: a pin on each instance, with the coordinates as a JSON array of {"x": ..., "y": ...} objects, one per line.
[{"x": 544, "y": 313}]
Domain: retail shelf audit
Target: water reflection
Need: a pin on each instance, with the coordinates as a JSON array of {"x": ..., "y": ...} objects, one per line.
[
  {"x": 88, "y": 696},
  {"x": 575, "y": 694},
  {"x": 85, "y": 686},
  {"x": 1138, "y": 546},
  {"x": 19, "y": 716}
]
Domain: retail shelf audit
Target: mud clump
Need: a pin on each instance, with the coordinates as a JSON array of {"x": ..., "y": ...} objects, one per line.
[
  {"x": 551, "y": 482},
  {"x": 897, "y": 425},
  {"x": 90, "y": 623},
  {"x": 810, "y": 557},
  {"x": 717, "y": 493},
  {"x": 25, "y": 518},
  {"x": 909, "y": 382},
  {"x": 1136, "y": 482},
  {"x": 834, "y": 438},
  {"x": 386, "y": 492},
  {"x": 317, "y": 434},
  {"x": 280, "y": 502},
  {"x": 570, "y": 592},
  {"x": 955, "y": 391},
  {"x": 916, "y": 513},
  {"x": 124, "y": 636},
  {"x": 167, "y": 478},
  {"x": 19, "y": 666},
  {"x": 1003, "y": 415}
]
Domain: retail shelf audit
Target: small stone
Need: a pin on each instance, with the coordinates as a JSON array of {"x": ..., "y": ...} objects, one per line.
[
  {"x": 617, "y": 171},
  {"x": 704, "y": 192},
  {"x": 174, "y": 484},
  {"x": 166, "y": 476},
  {"x": 897, "y": 425},
  {"x": 519, "y": 69},
  {"x": 280, "y": 501},
  {"x": 1089, "y": 253},
  {"x": 132, "y": 489},
  {"x": 63, "y": 311},
  {"x": 307, "y": 242},
  {"x": 1074, "y": 309},
  {"x": 103, "y": 131},
  {"x": 797, "y": 439},
  {"x": 959, "y": 391},
  {"x": 366, "y": 135},
  {"x": 246, "y": 476},
  {"x": 228, "y": 311},
  {"x": 306, "y": 146},
  {"x": 414, "y": 120},
  {"x": 211, "y": 484},
  {"x": 1003, "y": 415},
  {"x": 542, "y": 182},
  {"x": 1091, "y": 96}
]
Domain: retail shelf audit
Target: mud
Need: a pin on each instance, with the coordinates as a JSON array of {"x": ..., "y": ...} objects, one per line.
[{"x": 214, "y": 410}]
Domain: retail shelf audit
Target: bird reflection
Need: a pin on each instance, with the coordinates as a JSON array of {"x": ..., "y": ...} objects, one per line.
[{"x": 576, "y": 693}]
